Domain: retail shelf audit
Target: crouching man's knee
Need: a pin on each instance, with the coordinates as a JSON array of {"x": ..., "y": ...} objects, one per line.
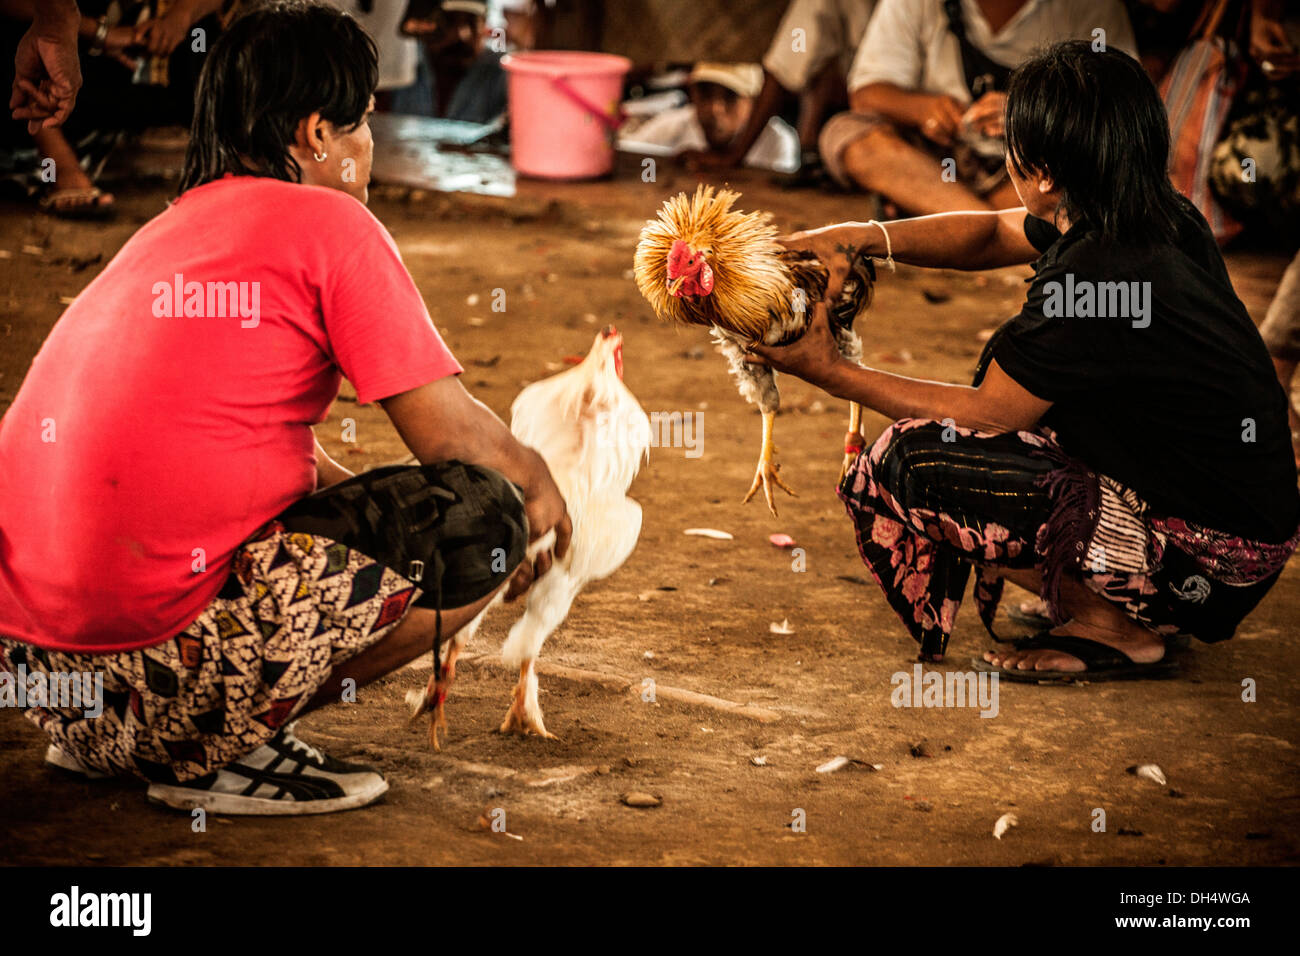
[
  {"x": 458, "y": 531},
  {"x": 483, "y": 535}
]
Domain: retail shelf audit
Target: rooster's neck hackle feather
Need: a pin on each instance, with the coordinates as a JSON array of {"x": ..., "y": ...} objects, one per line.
[{"x": 752, "y": 286}]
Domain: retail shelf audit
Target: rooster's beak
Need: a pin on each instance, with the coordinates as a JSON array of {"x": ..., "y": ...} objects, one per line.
[{"x": 675, "y": 284}]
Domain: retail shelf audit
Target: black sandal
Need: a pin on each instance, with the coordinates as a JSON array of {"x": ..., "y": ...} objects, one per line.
[{"x": 1102, "y": 662}]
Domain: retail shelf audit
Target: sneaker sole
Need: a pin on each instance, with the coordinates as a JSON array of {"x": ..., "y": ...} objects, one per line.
[
  {"x": 61, "y": 760},
  {"x": 234, "y": 804}
]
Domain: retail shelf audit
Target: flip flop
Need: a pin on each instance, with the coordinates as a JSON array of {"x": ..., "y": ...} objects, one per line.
[
  {"x": 78, "y": 204},
  {"x": 1102, "y": 661}
]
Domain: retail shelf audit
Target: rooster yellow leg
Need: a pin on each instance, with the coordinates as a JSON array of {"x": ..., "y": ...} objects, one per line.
[
  {"x": 853, "y": 440},
  {"x": 525, "y": 714},
  {"x": 439, "y": 686},
  {"x": 767, "y": 474}
]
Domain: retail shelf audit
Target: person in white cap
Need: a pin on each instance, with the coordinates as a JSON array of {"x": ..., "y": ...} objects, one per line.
[
  {"x": 468, "y": 82},
  {"x": 809, "y": 57},
  {"x": 722, "y": 103}
]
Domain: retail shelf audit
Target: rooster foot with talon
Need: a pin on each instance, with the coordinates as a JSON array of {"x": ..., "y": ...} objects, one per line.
[
  {"x": 438, "y": 722},
  {"x": 433, "y": 699},
  {"x": 525, "y": 714},
  {"x": 768, "y": 470},
  {"x": 768, "y": 474}
]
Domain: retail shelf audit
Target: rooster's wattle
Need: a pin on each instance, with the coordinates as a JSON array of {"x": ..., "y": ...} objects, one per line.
[{"x": 702, "y": 263}]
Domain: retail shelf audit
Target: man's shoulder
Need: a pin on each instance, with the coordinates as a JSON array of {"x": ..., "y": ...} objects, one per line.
[{"x": 265, "y": 197}]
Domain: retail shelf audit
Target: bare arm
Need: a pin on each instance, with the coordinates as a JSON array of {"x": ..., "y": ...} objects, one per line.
[
  {"x": 328, "y": 471},
  {"x": 946, "y": 240},
  {"x": 998, "y": 405},
  {"x": 937, "y": 117}
]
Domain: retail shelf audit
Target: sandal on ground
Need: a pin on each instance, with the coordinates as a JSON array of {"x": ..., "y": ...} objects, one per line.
[
  {"x": 1102, "y": 662},
  {"x": 78, "y": 203}
]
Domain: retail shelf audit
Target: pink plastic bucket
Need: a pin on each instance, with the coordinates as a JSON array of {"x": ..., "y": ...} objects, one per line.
[{"x": 564, "y": 111}]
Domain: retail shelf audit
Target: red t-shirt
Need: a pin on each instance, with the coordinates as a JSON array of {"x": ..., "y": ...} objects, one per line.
[{"x": 156, "y": 422}]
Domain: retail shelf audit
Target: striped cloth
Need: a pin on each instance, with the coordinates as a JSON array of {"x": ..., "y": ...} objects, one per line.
[{"x": 1198, "y": 91}]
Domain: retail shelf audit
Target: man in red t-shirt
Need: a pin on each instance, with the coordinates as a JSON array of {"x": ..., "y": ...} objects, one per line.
[{"x": 150, "y": 460}]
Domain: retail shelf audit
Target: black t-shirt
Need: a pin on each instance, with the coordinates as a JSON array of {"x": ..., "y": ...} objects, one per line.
[{"x": 1166, "y": 387}]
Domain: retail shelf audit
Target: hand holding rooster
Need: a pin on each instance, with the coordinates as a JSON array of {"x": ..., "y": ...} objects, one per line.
[
  {"x": 814, "y": 357},
  {"x": 837, "y": 245},
  {"x": 546, "y": 512},
  {"x": 703, "y": 263}
]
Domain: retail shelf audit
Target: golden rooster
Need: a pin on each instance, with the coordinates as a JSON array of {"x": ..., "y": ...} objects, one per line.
[{"x": 701, "y": 263}]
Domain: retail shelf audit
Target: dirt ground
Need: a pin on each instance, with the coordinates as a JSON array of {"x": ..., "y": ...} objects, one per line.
[{"x": 694, "y": 614}]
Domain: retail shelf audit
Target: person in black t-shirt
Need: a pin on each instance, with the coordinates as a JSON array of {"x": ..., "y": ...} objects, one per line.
[{"x": 1124, "y": 449}]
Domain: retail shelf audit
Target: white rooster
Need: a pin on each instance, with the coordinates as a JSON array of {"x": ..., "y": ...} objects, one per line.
[{"x": 593, "y": 435}]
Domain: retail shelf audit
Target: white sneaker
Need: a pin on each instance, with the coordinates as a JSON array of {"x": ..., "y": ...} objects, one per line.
[
  {"x": 57, "y": 757},
  {"x": 281, "y": 778}
]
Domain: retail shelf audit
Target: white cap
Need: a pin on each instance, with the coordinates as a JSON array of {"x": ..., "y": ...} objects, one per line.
[
  {"x": 743, "y": 79},
  {"x": 478, "y": 7}
]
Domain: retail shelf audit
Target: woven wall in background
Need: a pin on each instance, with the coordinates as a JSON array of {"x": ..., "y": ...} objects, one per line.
[{"x": 660, "y": 31}]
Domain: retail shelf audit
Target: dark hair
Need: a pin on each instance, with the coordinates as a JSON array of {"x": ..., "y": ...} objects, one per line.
[
  {"x": 272, "y": 67},
  {"x": 1094, "y": 122}
]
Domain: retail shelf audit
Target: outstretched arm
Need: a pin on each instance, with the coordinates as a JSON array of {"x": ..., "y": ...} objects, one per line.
[
  {"x": 948, "y": 240},
  {"x": 998, "y": 405}
]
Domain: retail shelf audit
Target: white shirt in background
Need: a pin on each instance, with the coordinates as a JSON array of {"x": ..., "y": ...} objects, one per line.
[
  {"x": 397, "y": 53},
  {"x": 909, "y": 44},
  {"x": 830, "y": 32}
]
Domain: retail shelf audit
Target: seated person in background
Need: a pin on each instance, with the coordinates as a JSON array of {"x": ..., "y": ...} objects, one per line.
[
  {"x": 139, "y": 69},
  {"x": 1261, "y": 133},
  {"x": 468, "y": 81},
  {"x": 722, "y": 103},
  {"x": 925, "y": 130},
  {"x": 1161, "y": 29},
  {"x": 809, "y": 57}
]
